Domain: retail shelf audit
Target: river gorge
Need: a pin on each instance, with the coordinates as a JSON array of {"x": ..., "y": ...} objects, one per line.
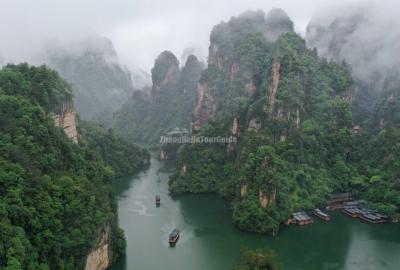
[{"x": 210, "y": 241}]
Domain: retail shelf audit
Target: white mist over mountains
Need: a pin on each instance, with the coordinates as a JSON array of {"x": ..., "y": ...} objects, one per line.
[
  {"x": 141, "y": 30},
  {"x": 365, "y": 36}
]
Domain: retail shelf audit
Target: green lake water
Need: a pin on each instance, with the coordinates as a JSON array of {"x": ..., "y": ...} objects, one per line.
[{"x": 209, "y": 241}]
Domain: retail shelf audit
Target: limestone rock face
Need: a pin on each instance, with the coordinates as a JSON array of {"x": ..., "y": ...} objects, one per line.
[
  {"x": 273, "y": 88},
  {"x": 215, "y": 57},
  {"x": 265, "y": 198},
  {"x": 65, "y": 118},
  {"x": 243, "y": 190},
  {"x": 164, "y": 155},
  {"x": 254, "y": 124},
  {"x": 206, "y": 106},
  {"x": 100, "y": 257},
  {"x": 183, "y": 169}
]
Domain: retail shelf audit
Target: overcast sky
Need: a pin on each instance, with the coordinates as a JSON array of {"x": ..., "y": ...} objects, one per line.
[{"x": 139, "y": 29}]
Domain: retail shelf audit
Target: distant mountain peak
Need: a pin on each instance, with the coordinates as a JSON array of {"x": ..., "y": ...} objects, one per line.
[{"x": 278, "y": 23}]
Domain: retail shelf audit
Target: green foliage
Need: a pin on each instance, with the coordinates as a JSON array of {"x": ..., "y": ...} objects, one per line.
[
  {"x": 125, "y": 158},
  {"x": 39, "y": 84},
  {"x": 258, "y": 259},
  {"x": 54, "y": 194}
]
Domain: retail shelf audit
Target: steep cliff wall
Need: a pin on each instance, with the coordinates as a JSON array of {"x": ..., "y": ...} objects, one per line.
[
  {"x": 65, "y": 118},
  {"x": 100, "y": 257},
  {"x": 206, "y": 106}
]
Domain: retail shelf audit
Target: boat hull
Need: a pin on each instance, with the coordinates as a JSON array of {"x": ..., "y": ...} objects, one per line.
[{"x": 172, "y": 242}]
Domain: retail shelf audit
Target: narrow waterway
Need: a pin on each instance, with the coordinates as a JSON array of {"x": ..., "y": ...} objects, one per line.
[{"x": 209, "y": 241}]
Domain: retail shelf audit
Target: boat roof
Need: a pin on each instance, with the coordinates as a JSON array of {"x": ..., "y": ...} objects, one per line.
[
  {"x": 320, "y": 212},
  {"x": 174, "y": 233},
  {"x": 301, "y": 216}
]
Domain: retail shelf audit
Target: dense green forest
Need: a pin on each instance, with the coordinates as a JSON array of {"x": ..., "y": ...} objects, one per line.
[
  {"x": 169, "y": 104},
  {"x": 259, "y": 259},
  {"x": 292, "y": 114},
  {"x": 375, "y": 103},
  {"x": 55, "y": 195}
]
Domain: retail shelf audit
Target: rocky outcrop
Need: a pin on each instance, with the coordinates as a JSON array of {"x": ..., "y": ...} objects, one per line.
[
  {"x": 164, "y": 155},
  {"x": 266, "y": 199},
  {"x": 65, "y": 118},
  {"x": 165, "y": 72},
  {"x": 243, "y": 190},
  {"x": 273, "y": 87},
  {"x": 235, "y": 127},
  {"x": 215, "y": 57},
  {"x": 235, "y": 68},
  {"x": 234, "y": 133},
  {"x": 183, "y": 169},
  {"x": 206, "y": 106},
  {"x": 254, "y": 124},
  {"x": 250, "y": 89},
  {"x": 100, "y": 257},
  {"x": 297, "y": 118}
]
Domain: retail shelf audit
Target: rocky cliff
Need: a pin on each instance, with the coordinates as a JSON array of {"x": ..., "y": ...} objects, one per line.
[
  {"x": 65, "y": 117},
  {"x": 100, "y": 257}
]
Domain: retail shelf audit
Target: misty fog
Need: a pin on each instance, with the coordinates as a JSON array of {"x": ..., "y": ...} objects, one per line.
[{"x": 139, "y": 30}]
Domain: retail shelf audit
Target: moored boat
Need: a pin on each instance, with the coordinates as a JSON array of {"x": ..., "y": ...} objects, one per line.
[
  {"x": 173, "y": 237},
  {"x": 317, "y": 212},
  {"x": 301, "y": 218}
]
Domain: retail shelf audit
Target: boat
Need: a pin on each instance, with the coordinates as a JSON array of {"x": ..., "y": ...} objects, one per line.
[
  {"x": 301, "y": 218},
  {"x": 374, "y": 217},
  {"x": 354, "y": 212},
  {"x": 366, "y": 214},
  {"x": 317, "y": 212},
  {"x": 158, "y": 200},
  {"x": 173, "y": 237}
]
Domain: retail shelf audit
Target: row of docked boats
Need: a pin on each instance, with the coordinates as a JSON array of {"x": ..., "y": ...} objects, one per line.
[
  {"x": 359, "y": 211},
  {"x": 174, "y": 235},
  {"x": 353, "y": 208}
]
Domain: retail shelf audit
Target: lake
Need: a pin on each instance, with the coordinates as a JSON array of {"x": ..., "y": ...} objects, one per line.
[{"x": 209, "y": 241}]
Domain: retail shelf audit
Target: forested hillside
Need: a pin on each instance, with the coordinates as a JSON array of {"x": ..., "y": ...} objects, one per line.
[
  {"x": 375, "y": 98},
  {"x": 55, "y": 195},
  {"x": 288, "y": 108}
]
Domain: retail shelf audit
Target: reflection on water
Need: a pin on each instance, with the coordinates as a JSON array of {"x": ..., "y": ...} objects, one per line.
[
  {"x": 363, "y": 249},
  {"x": 209, "y": 241}
]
